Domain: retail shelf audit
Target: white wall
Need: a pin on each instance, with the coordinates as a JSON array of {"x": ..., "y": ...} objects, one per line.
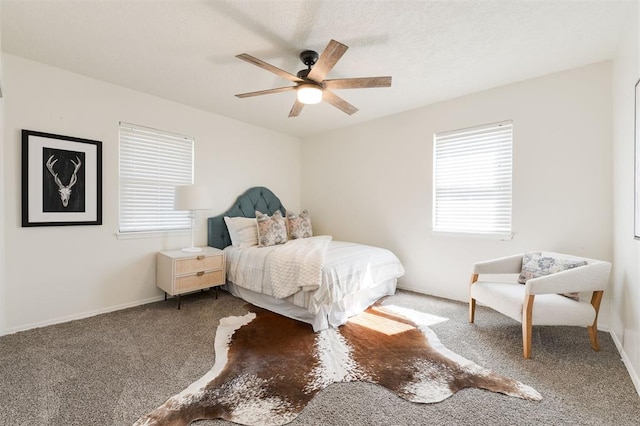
[
  {"x": 625, "y": 288},
  {"x": 2, "y": 241},
  {"x": 58, "y": 273},
  {"x": 372, "y": 183},
  {"x": 2, "y": 193}
]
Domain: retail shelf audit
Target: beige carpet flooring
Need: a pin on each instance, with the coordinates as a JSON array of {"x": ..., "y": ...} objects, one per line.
[{"x": 112, "y": 368}]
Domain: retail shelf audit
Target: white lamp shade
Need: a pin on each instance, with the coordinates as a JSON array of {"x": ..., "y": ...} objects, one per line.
[
  {"x": 309, "y": 94},
  {"x": 192, "y": 197}
]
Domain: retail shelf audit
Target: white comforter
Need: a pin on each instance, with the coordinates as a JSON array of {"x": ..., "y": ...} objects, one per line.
[{"x": 346, "y": 268}]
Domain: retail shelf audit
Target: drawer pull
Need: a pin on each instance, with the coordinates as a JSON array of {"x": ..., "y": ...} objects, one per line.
[
  {"x": 201, "y": 273},
  {"x": 200, "y": 257}
]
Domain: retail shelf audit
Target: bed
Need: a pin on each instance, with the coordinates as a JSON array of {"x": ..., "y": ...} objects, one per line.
[{"x": 350, "y": 276}]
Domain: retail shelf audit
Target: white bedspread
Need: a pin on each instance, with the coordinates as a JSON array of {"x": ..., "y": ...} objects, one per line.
[{"x": 347, "y": 269}]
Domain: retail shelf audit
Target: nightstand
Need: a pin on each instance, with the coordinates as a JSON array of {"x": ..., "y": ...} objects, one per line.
[{"x": 179, "y": 272}]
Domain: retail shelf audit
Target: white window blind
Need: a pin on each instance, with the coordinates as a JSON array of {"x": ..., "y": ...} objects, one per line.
[
  {"x": 152, "y": 164},
  {"x": 472, "y": 180}
]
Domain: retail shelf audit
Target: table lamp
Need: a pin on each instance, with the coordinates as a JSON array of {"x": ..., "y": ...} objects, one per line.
[{"x": 192, "y": 198}]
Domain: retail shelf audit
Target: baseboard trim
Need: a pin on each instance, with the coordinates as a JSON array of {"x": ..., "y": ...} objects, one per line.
[
  {"x": 421, "y": 291},
  {"x": 627, "y": 362},
  {"x": 82, "y": 315}
]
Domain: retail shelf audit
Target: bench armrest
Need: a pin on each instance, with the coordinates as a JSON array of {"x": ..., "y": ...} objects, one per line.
[
  {"x": 503, "y": 265},
  {"x": 591, "y": 277}
]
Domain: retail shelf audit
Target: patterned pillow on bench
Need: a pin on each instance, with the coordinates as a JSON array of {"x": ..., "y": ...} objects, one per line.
[{"x": 536, "y": 265}]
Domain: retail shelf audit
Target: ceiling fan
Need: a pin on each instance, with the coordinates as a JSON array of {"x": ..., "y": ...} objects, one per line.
[{"x": 311, "y": 87}]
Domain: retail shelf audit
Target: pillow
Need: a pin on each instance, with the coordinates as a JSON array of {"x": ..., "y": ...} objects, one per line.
[
  {"x": 242, "y": 230},
  {"x": 299, "y": 226},
  {"x": 536, "y": 265},
  {"x": 271, "y": 230}
]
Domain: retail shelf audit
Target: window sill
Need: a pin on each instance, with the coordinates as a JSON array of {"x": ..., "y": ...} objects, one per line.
[
  {"x": 485, "y": 236},
  {"x": 151, "y": 234}
]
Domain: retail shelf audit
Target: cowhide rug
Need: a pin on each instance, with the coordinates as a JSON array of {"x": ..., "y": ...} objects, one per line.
[{"x": 268, "y": 367}]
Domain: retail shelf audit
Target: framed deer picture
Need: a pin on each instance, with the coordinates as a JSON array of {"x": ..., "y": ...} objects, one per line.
[{"x": 61, "y": 180}]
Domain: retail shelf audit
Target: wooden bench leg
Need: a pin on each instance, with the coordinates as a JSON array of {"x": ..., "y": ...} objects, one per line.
[
  {"x": 472, "y": 310},
  {"x": 527, "y": 325},
  {"x": 593, "y": 336},
  {"x": 596, "y": 298},
  {"x": 472, "y": 301}
]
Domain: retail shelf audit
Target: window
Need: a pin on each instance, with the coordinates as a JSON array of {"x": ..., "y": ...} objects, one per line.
[
  {"x": 152, "y": 163},
  {"x": 472, "y": 180}
]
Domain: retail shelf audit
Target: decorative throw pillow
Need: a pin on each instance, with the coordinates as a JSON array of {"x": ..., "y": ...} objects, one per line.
[
  {"x": 242, "y": 230},
  {"x": 271, "y": 230},
  {"x": 537, "y": 264},
  {"x": 299, "y": 225}
]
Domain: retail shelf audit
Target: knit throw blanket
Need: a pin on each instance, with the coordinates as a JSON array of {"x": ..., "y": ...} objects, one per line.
[{"x": 298, "y": 265}]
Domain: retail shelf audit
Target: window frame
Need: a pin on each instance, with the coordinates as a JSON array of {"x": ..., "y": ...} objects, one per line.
[
  {"x": 168, "y": 221},
  {"x": 503, "y": 200}
]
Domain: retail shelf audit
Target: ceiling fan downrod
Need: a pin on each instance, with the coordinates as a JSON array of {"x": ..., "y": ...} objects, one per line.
[{"x": 309, "y": 58}]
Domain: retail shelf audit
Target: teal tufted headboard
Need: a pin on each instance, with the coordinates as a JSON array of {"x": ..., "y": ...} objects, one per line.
[{"x": 256, "y": 198}]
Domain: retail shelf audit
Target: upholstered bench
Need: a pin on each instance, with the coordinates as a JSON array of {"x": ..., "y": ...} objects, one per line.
[{"x": 553, "y": 281}]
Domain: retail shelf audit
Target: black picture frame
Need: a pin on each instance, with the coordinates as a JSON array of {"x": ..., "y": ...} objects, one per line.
[
  {"x": 636, "y": 201},
  {"x": 61, "y": 180}
]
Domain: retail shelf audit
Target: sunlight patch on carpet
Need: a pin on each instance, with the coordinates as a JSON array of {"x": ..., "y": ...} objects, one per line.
[
  {"x": 380, "y": 324},
  {"x": 420, "y": 318}
]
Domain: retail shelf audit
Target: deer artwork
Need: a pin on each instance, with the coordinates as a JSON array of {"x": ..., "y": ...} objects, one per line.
[{"x": 65, "y": 191}]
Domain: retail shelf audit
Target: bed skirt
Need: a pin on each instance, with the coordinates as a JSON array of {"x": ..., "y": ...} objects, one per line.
[{"x": 332, "y": 315}]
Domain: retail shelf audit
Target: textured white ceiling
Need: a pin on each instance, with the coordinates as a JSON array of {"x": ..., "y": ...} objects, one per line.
[{"x": 185, "y": 50}]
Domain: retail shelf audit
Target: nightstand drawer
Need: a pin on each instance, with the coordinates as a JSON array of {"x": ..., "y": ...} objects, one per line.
[
  {"x": 199, "y": 280},
  {"x": 198, "y": 264}
]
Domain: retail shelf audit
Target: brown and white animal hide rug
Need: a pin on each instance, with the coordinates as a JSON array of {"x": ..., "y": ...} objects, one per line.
[{"x": 268, "y": 367}]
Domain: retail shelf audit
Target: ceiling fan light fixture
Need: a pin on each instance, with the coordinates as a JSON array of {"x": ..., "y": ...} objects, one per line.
[
  {"x": 309, "y": 94},
  {"x": 310, "y": 84}
]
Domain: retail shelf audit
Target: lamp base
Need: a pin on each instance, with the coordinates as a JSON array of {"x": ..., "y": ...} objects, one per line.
[{"x": 192, "y": 249}]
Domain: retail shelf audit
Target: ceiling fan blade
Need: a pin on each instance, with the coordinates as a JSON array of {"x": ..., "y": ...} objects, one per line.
[
  {"x": 328, "y": 58},
  {"x": 358, "y": 83},
  {"x": 262, "y": 64},
  {"x": 266, "y": 92},
  {"x": 335, "y": 100},
  {"x": 296, "y": 108}
]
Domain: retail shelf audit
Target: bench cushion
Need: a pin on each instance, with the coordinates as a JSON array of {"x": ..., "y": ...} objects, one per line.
[{"x": 548, "y": 309}]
